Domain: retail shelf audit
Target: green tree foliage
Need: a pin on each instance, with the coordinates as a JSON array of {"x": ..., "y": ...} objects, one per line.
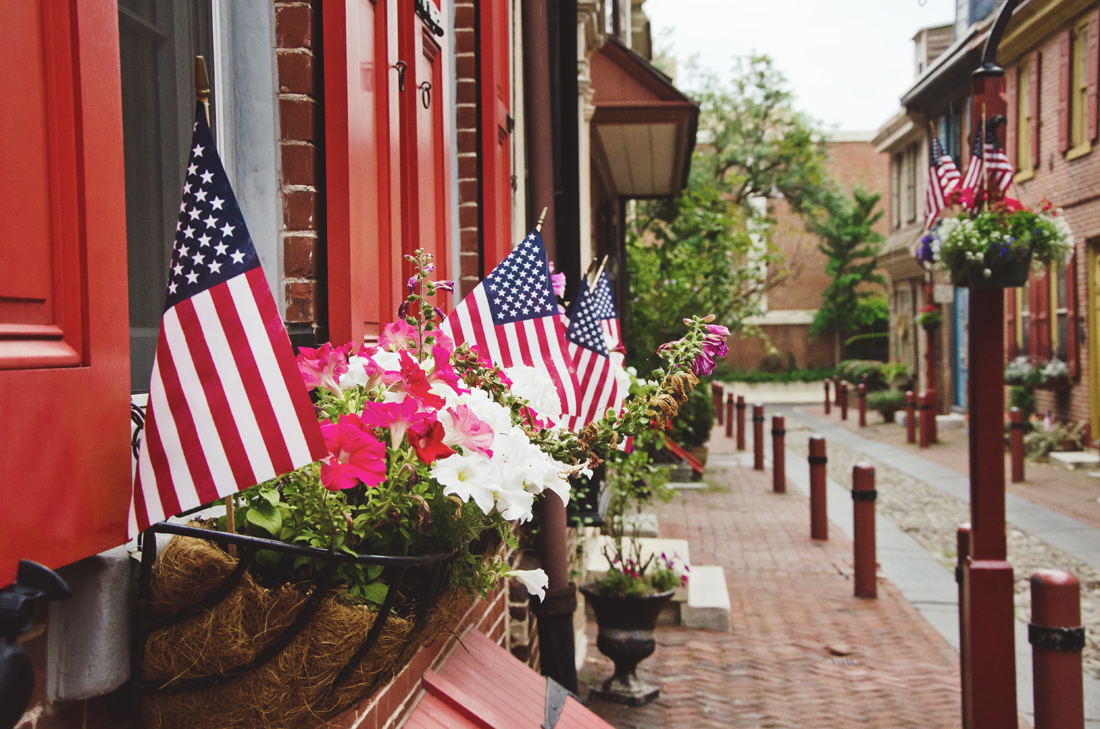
[
  {"x": 705, "y": 251},
  {"x": 845, "y": 227}
]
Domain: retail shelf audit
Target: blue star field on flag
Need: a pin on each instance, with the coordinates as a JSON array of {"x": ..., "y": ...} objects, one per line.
[
  {"x": 519, "y": 288},
  {"x": 212, "y": 244},
  {"x": 584, "y": 322},
  {"x": 604, "y": 303}
]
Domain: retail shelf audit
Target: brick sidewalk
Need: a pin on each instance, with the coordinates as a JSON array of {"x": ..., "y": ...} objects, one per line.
[
  {"x": 1073, "y": 493},
  {"x": 792, "y": 601}
]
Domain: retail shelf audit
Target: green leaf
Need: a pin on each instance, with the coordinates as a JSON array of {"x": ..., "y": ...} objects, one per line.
[
  {"x": 375, "y": 592},
  {"x": 266, "y": 516},
  {"x": 374, "y": 571}
]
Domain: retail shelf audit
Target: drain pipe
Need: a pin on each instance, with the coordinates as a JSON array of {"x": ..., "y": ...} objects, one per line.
[{"x": 555, "y": 613}]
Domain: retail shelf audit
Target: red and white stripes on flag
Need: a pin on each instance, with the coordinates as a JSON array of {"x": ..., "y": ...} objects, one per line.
[
  {"x": 589, "y": 346},
  {"x": 1000, "y": 169},
  {"x": 943, "y": 180},
  {"x": 227, "y": 406},
  {"x": 512, "y": 318},
  {"x": 599, "y": 388}
]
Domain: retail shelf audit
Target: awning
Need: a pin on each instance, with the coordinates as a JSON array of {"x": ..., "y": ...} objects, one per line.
[
  {"x": 643, "y": 130},
  {"x": 483, "y": 686}
]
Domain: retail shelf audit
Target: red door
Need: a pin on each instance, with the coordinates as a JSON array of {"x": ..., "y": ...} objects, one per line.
[
  {"x": 64, "y": 347},
  {"x": 496, "y": 123}
]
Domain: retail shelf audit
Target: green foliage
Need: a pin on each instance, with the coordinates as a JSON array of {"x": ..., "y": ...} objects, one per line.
[
  {"x": 886, "y": 401},
  {"x": 725, "y": 373},
  {"x": 692, "y": 425},
  {"x": 845, "y": 227},
  {"x": 1023, "y": 397},
  {"x": 1040, "y": 443},
  {"x": 999, "y": 236},
  {"x": 880, "y": 375}
]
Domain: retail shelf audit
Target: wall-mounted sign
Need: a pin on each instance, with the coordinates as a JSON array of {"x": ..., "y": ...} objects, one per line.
[{"x": 943, "y": 294}]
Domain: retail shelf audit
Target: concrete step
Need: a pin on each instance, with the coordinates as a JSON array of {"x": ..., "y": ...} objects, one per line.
[
  {"x": 645, "y": 523},
  {"x": 596, "y": 563},
  {"x": 708, "y": 603},
  {"x": 1076, "y": 459},
  {"x": 951, "y": 421}
]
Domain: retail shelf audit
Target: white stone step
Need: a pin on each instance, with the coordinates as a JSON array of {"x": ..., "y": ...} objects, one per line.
[
  {"x": 597, "y": 565},
  {"x": 708, "y": 603},
  {"x": 1076, "y": 459},
  {"x": 951, "y": 421},
  {"x": 646, "y": 524}
]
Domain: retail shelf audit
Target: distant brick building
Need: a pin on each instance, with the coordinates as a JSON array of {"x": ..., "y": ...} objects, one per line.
[{"x": 798, "y": 282}]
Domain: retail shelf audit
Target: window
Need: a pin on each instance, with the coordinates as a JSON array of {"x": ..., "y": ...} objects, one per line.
[
  {"x": 1023, "y": 318},
  {"x": 911, "y": 154},
  {"x": 1059, "y": 331},
  {"x": 895, "y": 190},
  {"x": 1078, "y": 91},
  {"x": 158, "y": 40},
  {"x": 1024, "y": 120}
]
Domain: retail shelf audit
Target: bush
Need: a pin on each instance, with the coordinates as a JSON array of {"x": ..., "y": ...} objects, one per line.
[
  {"x": 880, "y": 375},
  {"x": 886, "y": 401},
  {"x": 772, "y": 363},
  {"x": 1040, "y": 443},
  {"x": 725, "y": 373},
  {"x": 692, "y": 425}
]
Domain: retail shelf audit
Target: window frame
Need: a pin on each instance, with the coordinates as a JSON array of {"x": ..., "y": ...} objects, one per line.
[
  {"x": 1078, "y": 90},
  {"x": 1025, "y": 118}
]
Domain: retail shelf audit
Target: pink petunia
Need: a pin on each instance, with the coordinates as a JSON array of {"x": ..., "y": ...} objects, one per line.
[
  {"x": 396, "y": 417},
  {"x": 427, "y": 438},
  {"x": 355, "y": 456},
  {"x": 397, "y": 336},
  {"x": 466, "y": 430},
  {"x": 416, "y": 382},
  {"x": 322, "y": 367}
]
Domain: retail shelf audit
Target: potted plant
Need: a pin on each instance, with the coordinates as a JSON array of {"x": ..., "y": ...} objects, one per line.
[
  {"x": 929, "y": 318},
  {"x": 629, "y": 598},
  {"x": 999, "y": 247},
  {"x": 1054, "y": 375},
  {"x": 693, "y": 423},
  {"x": 887, "y": 403}
]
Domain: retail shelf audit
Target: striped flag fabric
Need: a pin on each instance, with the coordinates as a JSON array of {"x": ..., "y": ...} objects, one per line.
[
  {"x": 608, "y": 316},
  {"x": 588, "y": 346},
  {"x": 943, "y": 179},
  {"x": 512, "y": 318},
  {"x": 988, "y": 159},
  {"x": 1001, "y": 172},
  {"x": 972, "y": 180},
  {"x": 227, "y": 407}
]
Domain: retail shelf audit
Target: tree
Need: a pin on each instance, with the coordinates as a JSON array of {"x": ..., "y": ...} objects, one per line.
[{"x": 846, "y": 228}]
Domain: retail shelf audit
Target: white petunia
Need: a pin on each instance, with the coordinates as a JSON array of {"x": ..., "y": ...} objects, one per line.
[
  {"x": 536, "y": 387},
  {"x": 536, "y": 581},
  {"x": 468, "y": 477}
]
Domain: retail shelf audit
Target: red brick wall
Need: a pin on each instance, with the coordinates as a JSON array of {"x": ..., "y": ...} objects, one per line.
[
  {"x": 1074, "y": 186},
  {"x": 466, "y": 136},
  {"x": 297, "y": 40}
]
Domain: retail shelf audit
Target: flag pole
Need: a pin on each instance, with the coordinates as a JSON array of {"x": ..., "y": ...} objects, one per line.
[
  {"x": 985, "y": 163},
  {"x": 542, "y": 219},
  {"x": 599, "y": 271},
  {"x": 202, "y": 93}
]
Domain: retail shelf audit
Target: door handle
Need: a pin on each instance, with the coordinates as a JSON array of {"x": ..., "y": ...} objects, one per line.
[
  {"x": 426, "y": 94},
  {"x": 401, "y": 68}
]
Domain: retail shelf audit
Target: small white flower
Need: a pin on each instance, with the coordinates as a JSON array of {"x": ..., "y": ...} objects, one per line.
[
  {"x": 536, "y": 581},
  {"x": 536, "y": 387},
  {"x": 467, "y": 477}
]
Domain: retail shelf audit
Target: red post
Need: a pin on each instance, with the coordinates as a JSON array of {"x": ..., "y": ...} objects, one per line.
[
  {"x": 910, "y": 417},
  {"x": 1056, "y": 638},
  {"x": 862, "y": 404},
  {"x": 716, "y": 391},
  {"x": 779, "y": 460},
  {"x": 729, "y": 416},
  {"x": 925, "y": 416},
  {"x": 843, "y": 400},
  {"x": 828, "y": 399},
  {"x": 962, "y": 548},
  {"x": 740, "y": 422},
  {"x": 836, "y": 390},
  {"x": 863, "y": 505},
  {"x": 819, "y": 518},
  {"x": 758, "y": 437},
  {"x": 930, "y": 363},
  {"x": 1016, "y": 443}
]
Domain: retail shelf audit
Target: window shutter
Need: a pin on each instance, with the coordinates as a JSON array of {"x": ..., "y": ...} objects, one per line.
[
  {"x": 1036, "y": 76},
  {"x": 1093, "y": 73},
  {"x": 1012, "y": 93},
  {"x": 1064, "y": 81},
  {"x": 1010, "y": 322},
  {"x": 1071, "y": 317},
  {"x": 64, "y": 339},
  {"x": 496, "y": 143},
  {"x": 1040, "y": 315}
]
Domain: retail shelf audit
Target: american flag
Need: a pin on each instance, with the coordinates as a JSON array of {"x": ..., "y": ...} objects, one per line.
[
  {"x": 512, "y": 318},
  {"x": 943, "y": 178},
  {"x": 972, "y": 180},
  {"x": 227, "y": 407},
  {"x": 987, "y": 153},
  {"x": 609, "y": 317},
  {"x": 588, "y": 346}
]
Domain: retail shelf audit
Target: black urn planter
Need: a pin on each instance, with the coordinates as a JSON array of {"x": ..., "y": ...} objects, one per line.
[
  {"x": 626, "y": 637},
  {"x": 1002, "y": 275}
]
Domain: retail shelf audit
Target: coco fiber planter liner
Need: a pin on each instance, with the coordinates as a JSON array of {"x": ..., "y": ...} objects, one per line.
[{"x": 221, "y": 651}]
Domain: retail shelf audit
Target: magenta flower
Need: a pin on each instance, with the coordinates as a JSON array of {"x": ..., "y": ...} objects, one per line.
[
  {"x": 411, "y": 283},
  {"x": 557, "y": 281},
  {"x": 354, "y": 455},
  {"x": 466, "y": 430},
  {"x": 416, "y": 382},
  {"x": 448, "y": 286},
  {"x": 322, "y": 367},
  {"x": 442, "y": 341},
  {"x": 442, "y": 372},
  {"x": 427, "y": 438},
  {"x": 714, "y": 349},
  {"x": 394, "y": 416},
  {"x": 398, "y": 335}
]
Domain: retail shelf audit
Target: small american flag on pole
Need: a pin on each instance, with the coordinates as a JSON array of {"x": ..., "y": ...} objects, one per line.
[
  {"x": 227, "y": 407},
  {"x": 988, "y": 158},
  {"x": 512, "y": 318},
  {"x": 943, "y": 178},
  {"x": 972, "y": 180},
  {"x": 609, "y": 317},
  {"x": 588, "y": 346}
]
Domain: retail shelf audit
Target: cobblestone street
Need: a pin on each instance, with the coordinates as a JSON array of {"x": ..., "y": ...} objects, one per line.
[{"x": 803, "y": 651}]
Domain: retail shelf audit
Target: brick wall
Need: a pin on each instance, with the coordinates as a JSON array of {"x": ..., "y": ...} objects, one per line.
[
  {"x": 298, "y": 49},
  {"x": 1074, "y": 186},
  {"x": 466, "y": 103}
]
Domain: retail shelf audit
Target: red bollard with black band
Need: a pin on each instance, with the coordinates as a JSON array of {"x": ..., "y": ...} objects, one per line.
[
  {"x": 779, "y": 461},
  {"x": 1056, "y": 638},
  {"x": 925, "y": 421},
  {"x": 740, "y": 422},
  {"x": 729, "y": 416},
  {"x": 1016, "y": 426},
  {"x": 819, "y": 517},
  {"x": 843, "y": 400},
  {"x": 836, "y": 390},
  {"x": 863, "y": 505},
  {"x": 758, "y": 437},
  {"x": 828, "y": 398},
  {"x": 716, "y": 392},
  {"x": 910, "y": 417},
  {"x": 862, "y": 404}
]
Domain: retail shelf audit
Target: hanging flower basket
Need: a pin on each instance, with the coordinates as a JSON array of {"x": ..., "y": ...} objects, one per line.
[
  {"x": 929, "y": 318},
  {"x": 999, "y": 247}
]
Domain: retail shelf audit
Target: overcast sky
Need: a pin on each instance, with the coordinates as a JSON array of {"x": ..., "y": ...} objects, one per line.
[{"x": 848, "y": 61}]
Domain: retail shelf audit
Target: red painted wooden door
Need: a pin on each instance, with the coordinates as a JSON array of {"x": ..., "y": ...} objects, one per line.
[
  {"x": 64, "y": 347},
  {"x": 425, "y": 151},
  {"x": 363, "y": 280},
  {"x": 496, "y": 150}
]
